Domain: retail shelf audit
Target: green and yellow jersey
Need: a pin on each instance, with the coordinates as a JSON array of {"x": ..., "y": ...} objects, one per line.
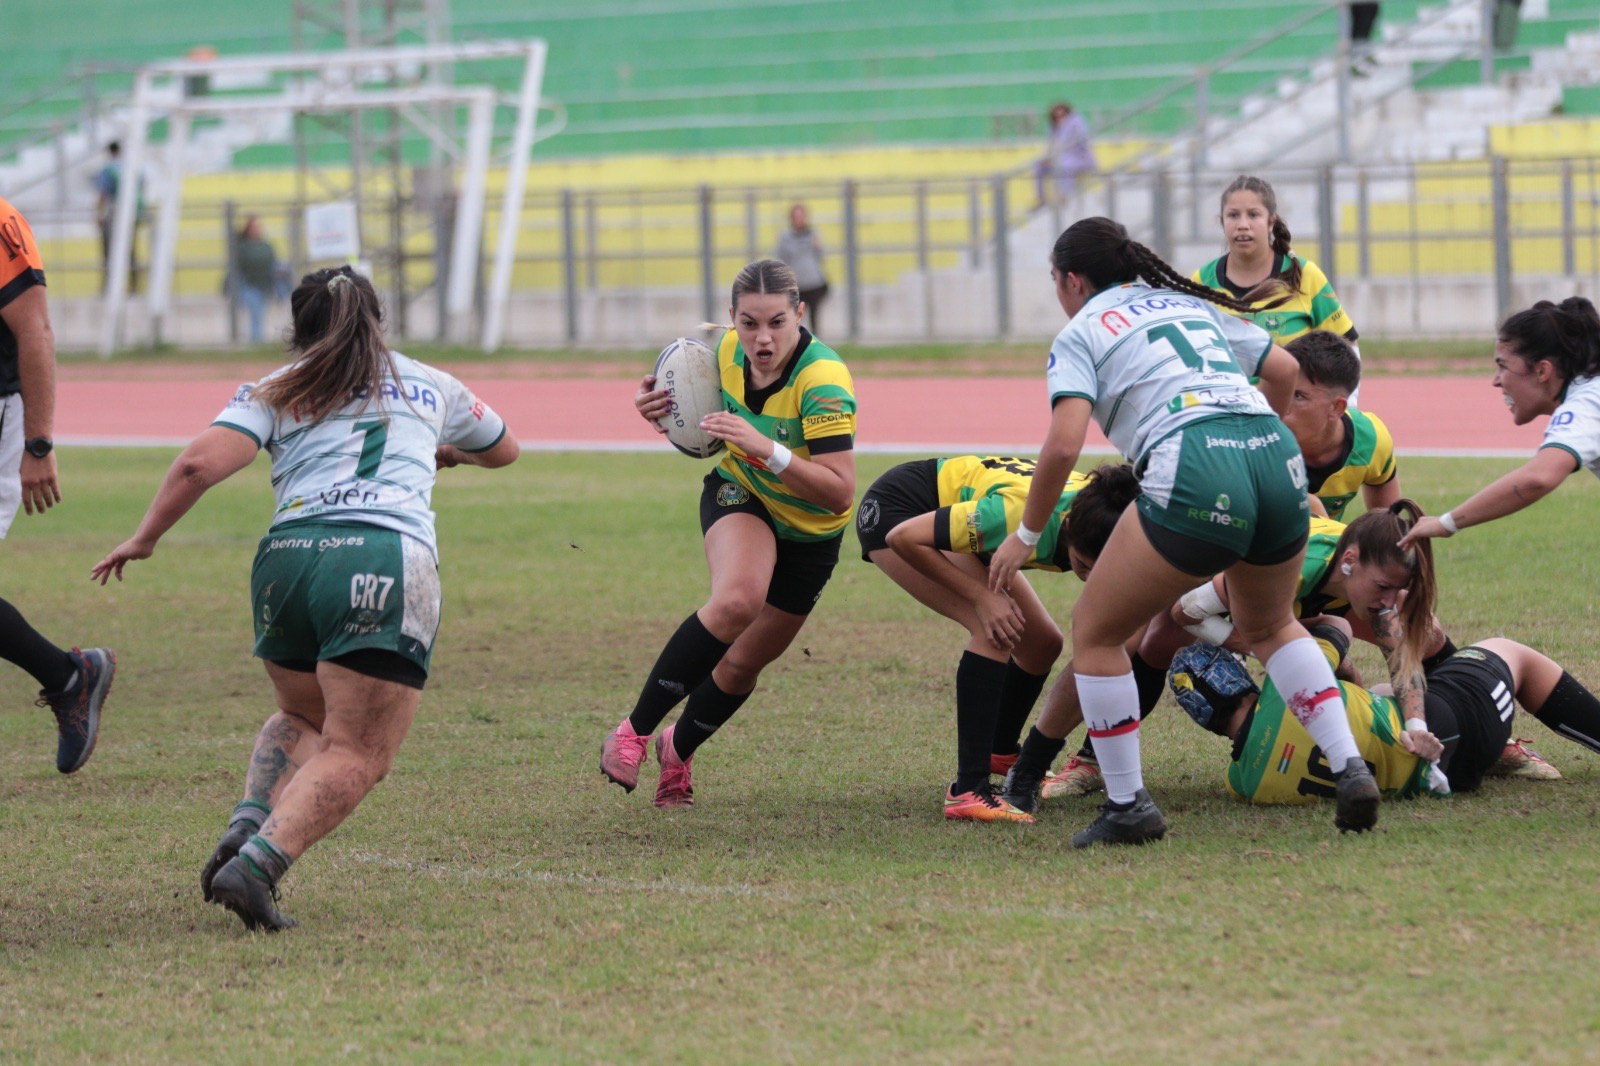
[
  {"x": 1368, "y": 459},
  {"x": 1276, "y": 761},
  {"x": 981, "y": 498},
  {"x": 1309, "y": 598},
  {"x": 811, "y": 410},
  {"x": 1312, "y": 306}
]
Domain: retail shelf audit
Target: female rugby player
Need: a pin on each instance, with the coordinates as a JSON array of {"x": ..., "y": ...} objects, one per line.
[
  {"x": 1287, "y": 295},
  {"x": 1165, "y": 374},
  {"x": 1547, "y": 360},
  {"x": 772, "y": 513},
  {"x": 930, "y": 525},
  {"x": 1470, "y": 707},
  {"x": 345, "y": 586}
]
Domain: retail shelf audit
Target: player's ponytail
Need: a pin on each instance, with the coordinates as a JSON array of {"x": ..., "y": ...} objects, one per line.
[
  {"x": 1567, "y": 334},
  {"x": 338, "y": 335},
  {"x": 1376, "y": 539},
  {"x": 1096, "y": 508},
  {"x": 1100, "y": 250}
]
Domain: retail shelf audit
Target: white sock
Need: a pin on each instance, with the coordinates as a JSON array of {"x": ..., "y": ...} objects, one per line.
[
  {"x": 1304, "y": 679},
  {"x": 1111, "y": 715}
]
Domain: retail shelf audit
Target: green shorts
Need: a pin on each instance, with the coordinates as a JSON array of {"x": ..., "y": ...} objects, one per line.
[
  {"x": 1223, "y": 489},
  {"x": 321, "y": 589}
]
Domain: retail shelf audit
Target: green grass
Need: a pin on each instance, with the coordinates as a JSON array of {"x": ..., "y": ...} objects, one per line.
[
  {"x": 1378, "y": 357},
  {"x": 494, "y": 900}
]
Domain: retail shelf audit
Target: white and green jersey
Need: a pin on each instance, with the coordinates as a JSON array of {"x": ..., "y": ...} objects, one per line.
[
  {"x": 373, "y": 464},
  {"x": 1575, "y": 425},
  {"x": 1153, "y": 360}
]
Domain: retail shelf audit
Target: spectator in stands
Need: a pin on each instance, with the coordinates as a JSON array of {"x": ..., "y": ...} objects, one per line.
[
  {"x": 74, "y": 683},
  {"x": 254, "y": 277},
  {"x": 1363, "y": 18},
  {"x": 107, "y": 181},
  {"x": 1067, "y": 154},
  {"x": 802, "y": 250}
]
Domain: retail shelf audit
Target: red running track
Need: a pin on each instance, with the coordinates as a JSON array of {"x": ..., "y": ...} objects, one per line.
[{"x": 1439, "y": 415}]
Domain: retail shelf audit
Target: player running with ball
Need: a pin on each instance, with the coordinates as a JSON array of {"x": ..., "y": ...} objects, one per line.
[{"x": 772, "y": 513}]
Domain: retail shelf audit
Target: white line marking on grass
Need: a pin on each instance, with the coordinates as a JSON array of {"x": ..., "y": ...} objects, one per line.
[
  {"x": 737, "y": 889},
  {"x": 918, "y": 448},
  {"x": 515, "y": 872}
]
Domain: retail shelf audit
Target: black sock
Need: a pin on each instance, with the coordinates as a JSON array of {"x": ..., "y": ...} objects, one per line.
[
  {"x": 20, "y": 643},
  {"x": 687, "y": 660},
  {"x": 1038, "y": 752},
  {"x": 1018, "y": 694},
  {"x": 1151, "y": 682},
  {"x": 708, "y": 709},
  {"x": 978, "y": 685},
  {"x": 1572, "y": 711}
]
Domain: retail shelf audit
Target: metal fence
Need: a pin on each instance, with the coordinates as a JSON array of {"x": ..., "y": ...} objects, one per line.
[{"x": 1413, "y": 250}]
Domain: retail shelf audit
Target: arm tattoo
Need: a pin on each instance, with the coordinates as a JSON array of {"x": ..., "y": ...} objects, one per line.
[{"x": 1408, "y": 687}]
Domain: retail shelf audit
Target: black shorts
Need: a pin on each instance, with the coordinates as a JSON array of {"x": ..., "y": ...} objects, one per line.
[
  {"x": 380, "y": 663},
  {"x": 901, "y": 492},
  {"x": 1204, "y": 559},
  {"x": 1478, "y": 692},
  {"x": 803, "y": 567}
]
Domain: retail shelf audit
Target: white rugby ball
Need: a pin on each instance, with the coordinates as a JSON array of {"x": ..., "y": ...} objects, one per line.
[{"x": 687, "y": 371}]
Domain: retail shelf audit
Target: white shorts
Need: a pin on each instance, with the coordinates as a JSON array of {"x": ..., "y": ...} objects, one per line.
[{"x": 11, "y": 438}]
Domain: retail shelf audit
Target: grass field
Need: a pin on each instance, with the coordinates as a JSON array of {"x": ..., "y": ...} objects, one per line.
[{"x": 494, "y": 900}]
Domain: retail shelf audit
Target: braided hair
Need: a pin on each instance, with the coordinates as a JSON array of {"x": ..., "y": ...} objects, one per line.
[
  {"x": 1100, "y": 250},
  {"x": 1567, "y": 334},
  {"x": 1285, "y": 286}
]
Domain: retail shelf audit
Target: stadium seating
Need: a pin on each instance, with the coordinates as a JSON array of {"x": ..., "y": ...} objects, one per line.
[{"x": 674, "y": 77}]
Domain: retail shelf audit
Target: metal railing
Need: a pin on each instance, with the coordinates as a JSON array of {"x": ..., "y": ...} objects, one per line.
[{"x": 1413, "y": 250}]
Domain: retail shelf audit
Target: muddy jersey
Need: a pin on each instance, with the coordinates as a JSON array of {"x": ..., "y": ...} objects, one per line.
[
  {"x": 981, "y": 498},
  {"x": 1575, "y": 425},
  {"x": 811, "y": 410},
  {"x": 1152, "y": 361},
  {"x": 371, "y": 464}
]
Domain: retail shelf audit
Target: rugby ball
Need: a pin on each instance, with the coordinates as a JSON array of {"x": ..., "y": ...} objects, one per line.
[{"x": 687, "y": 371}]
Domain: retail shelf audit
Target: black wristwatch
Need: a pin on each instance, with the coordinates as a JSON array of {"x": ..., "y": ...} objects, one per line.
[{"x": 39, "y": 447}]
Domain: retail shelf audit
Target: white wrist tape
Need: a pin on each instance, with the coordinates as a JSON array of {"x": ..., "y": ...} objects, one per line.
[
  {"x": 1448, "y": 521},
  {"x": 780, "y": 458},
  {"x": 1213, "y": 630},
  {"x": 1203, "y": 602},
  {"x": 1416, "y": 725},
  {"x": 1028, "y": 536}
]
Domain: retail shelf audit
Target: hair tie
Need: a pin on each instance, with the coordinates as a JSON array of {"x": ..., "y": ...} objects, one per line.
[{"x": 333, "y": 282}]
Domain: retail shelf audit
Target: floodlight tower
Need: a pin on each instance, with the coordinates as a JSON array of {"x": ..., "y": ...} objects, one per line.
[{"x": 395, "y": 203}]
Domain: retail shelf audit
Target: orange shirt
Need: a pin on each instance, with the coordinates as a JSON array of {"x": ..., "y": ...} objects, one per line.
[{"x": 20, "y": 270}]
